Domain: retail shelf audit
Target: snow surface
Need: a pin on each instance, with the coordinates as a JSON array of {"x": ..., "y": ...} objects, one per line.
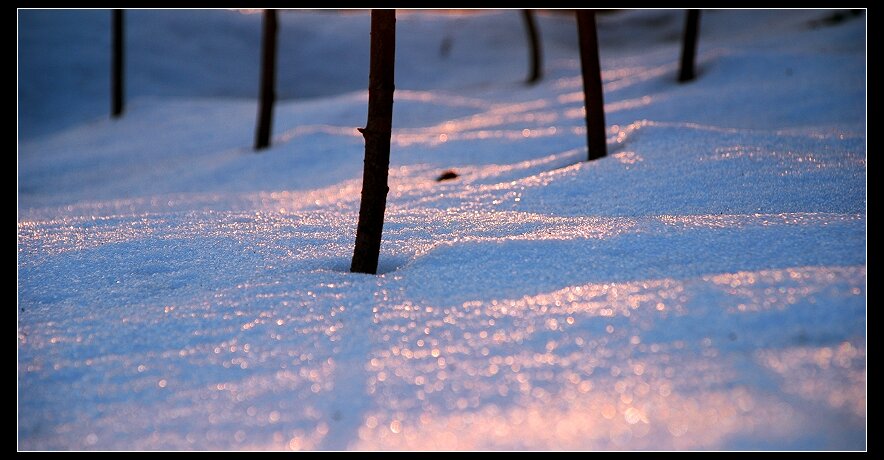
[{"x": 702, "y": 287}]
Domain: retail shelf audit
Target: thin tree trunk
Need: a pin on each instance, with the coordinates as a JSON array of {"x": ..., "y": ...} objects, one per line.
[
  {"x": 536, "y": 72},
  {"x": 689, "y": 45},
  {"x": 268, "y": 80},
  {"x": 377, "y": 134},
  {"x": 117, "y": 38},
  {"x": 592, "y": 85}
]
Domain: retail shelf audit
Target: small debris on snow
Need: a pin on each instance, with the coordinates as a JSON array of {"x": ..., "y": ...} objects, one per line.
[{"x": 447, "y": 175}]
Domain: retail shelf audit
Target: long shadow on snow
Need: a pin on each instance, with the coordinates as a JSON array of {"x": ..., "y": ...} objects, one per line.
[{"x": 453, "y": 274}]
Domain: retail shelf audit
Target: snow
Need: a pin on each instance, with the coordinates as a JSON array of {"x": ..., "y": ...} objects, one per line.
[{"x": 702, "y": 287}]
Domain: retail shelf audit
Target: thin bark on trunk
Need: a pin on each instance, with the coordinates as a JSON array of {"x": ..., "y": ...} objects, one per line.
[
  {"x": 117, "y": 62},
  {"x": 536, "y": 71},
  {"x": 689, "y": 46},
  {"x": 268, "y": 81},
  {"x": 592, "y": 85},
  {"x": 377, "y": 132}
]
